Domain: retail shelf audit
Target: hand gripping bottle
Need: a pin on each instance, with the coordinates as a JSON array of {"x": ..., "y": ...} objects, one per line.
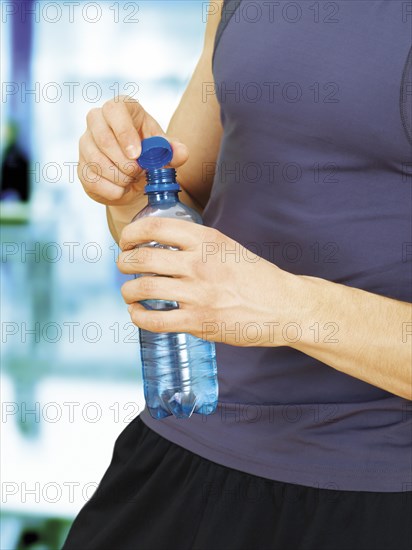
[{"x": 179, "y": 370}]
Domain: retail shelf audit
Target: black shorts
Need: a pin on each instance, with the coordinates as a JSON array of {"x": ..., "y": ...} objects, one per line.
[{"x": 155, "y": 495}]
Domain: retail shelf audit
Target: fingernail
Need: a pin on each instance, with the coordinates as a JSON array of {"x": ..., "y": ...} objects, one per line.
[
  {"x": 132, "y": 151},
  {"x": 130, "y": 309}
]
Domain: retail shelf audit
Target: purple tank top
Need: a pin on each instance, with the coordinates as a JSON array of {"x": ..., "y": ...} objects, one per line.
[{"x": 314, "y": 174}]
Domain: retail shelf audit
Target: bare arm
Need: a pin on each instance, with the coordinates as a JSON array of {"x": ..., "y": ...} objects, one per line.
[
  {"x": 372, "y": 333},
  {"x": 196, "y": 123}
]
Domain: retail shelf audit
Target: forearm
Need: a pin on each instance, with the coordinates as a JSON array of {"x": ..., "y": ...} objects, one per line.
[{"x": 356, "y": 332}]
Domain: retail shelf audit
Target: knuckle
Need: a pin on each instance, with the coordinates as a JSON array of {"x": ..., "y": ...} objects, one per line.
[
  {"x": 129, "y": 257},
  {"x": 120, "y": 177},
  {"x": 115, "y": 194},
  {"x": 130, "y": 167},
  {"x": 128, "y": 99},
  {"x": 209, "y": 235},
  {"x": 153, "y": 224},
  {"x": 121, "y": 263},
  {"x": 134, "y": 315},
  {"x": 123, "y": 133},
  {"x": 195, "y": 266},
  {"x": 104, "y": 140},
  {"x": 156, "y": 323},
  {"x": 83, "y": 142},
  {"x": 203, "y": 298},
  {"x": 144, "y": 254},
  {"x": 86, "y": 175},
  {"x": 128, "y": 239},
  {"x": 125, "y": 234},
  {"x": 202, "y": 316},
  {"x": 92, "y": 165},
  {"x": 92, "y": 115},
  {"x": 125, "y": 263},
  {"x": 187, "y": 323},
  {"x": 148, "y": 284},
  {"x": 109, "y": 107},
  {"x": 92, "y": 186},
  {"x": 125, "y": 292},
  {"x": 92, "y": 176},
  {"x": 121, "y": 98}
]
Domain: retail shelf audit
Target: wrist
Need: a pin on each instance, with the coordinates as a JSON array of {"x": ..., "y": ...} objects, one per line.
[
  {"x": 305, "y": 324},
  {"x": 120, "y": 216},
  {"x": 290, "y": 310},
  {"x": 125, "y": 213}
]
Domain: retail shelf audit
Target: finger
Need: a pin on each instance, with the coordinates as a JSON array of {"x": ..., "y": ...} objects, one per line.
[
  {"x": 125, "y": 119},
  {"x": 151, "y": 128},
  {"x": 180, "y": 153},
  {"x": 106, "y": 142},
  {"x": 101, "y": 164},
  {"x": 176, "y": 320},
  {"x": 154, "y": 288},
  {"x": 96, "y": 186},
  {"x": 177, "y": 233},
  {"x": 153, "y": 260}
]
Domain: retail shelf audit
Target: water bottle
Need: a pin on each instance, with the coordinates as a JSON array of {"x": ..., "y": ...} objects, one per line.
[{"x": 179, "y": 370}]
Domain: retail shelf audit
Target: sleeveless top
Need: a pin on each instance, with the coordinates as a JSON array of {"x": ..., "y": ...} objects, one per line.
[{"x": 314, "y": 174}]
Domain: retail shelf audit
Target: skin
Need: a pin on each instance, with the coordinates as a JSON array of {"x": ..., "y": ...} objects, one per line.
[{"x": 237, "y": 299}]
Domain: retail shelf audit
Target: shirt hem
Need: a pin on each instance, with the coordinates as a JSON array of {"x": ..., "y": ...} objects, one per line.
[{"x": 317, "y": 476}]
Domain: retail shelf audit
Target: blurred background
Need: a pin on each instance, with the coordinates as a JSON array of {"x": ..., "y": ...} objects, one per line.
[{"x": 70, "y": 371}]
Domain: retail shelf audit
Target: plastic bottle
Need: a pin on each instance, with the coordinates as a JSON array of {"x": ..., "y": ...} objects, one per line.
[{"x": 179, "y": 370}]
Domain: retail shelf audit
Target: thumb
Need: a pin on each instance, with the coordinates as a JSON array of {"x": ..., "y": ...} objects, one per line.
[
  {"x": 180, "y": 152},
  {"x": 152, "y": 128}
]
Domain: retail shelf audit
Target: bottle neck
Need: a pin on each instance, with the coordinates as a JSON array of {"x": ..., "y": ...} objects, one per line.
[
  {"x": 161, "y": 180},
  {"x": 162, "y": 197},
  {"x": 161, "y": 186}
]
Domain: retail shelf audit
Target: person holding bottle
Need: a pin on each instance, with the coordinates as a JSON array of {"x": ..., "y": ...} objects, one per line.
[{"x": 293, "y": 140}]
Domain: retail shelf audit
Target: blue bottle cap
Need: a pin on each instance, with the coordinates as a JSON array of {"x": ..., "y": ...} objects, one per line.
[{"x": 156, "y": 153}]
